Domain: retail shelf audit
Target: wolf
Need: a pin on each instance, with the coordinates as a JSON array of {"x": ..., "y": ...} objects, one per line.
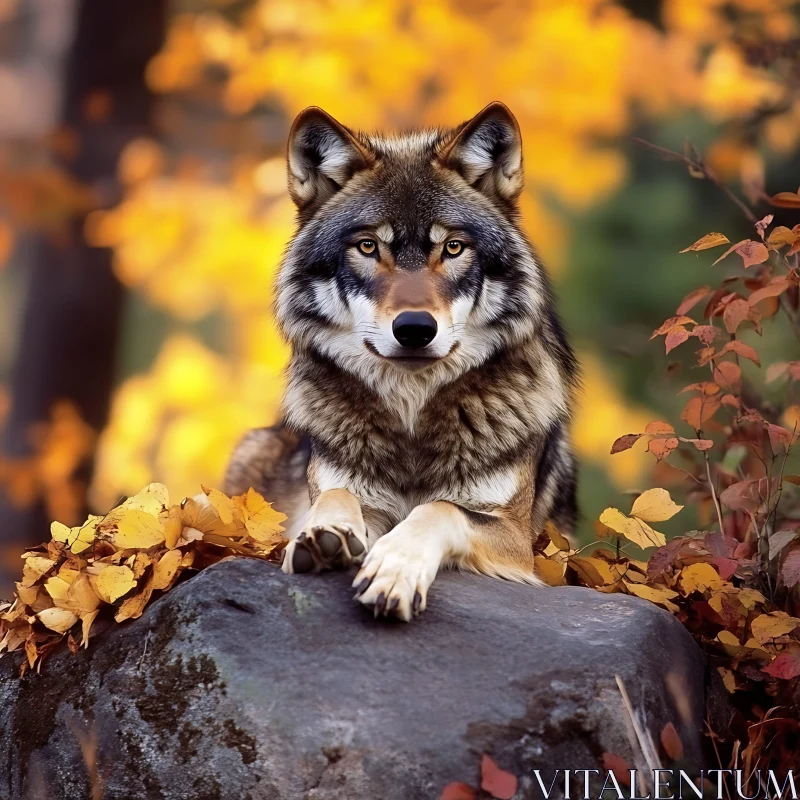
[{"x": 425, "y": 421}]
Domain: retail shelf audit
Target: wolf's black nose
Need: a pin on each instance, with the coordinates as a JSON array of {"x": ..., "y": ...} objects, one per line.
[{"x": 414, "y": 329}]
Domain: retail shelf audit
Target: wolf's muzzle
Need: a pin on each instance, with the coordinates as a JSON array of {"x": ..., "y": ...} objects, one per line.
[{"x": 414, "y": 329}]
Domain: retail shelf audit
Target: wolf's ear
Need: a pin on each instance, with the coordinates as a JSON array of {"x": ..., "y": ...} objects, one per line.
[
  {"x": 487, "y": 153},
  {"x": 323, "y": 156}
]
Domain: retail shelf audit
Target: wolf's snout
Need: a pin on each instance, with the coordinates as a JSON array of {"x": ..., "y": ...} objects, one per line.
[{"x": 414, "y": 329}]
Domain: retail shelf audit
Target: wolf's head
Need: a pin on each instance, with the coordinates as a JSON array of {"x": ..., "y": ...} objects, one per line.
[{"x": 409, "y": 266}]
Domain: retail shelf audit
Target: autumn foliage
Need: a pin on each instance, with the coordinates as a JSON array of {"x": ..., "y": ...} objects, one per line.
[{"x": 112, "y": 566}]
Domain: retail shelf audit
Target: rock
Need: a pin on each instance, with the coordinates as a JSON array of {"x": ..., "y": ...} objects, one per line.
[{"x": 246, "y": 683}]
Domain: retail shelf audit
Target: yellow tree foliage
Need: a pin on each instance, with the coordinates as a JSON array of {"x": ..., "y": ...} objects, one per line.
[{"x": 198, "y": 239}]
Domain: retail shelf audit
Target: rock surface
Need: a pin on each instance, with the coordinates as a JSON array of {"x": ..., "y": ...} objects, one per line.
[{"x": 247, "y": 683}]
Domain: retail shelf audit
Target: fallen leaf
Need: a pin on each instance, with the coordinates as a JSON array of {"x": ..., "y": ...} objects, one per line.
[
  {"x": 619, "y": 766},
  {"x": 654, "y": 594},
  {"x": 767, "y": 627},
  {"x": 112, "y": 582},
  {"x": 458, "y": 791},
  {"x": 498, "y": 783},
  {"x": 57, "y": 619},
  {"x": 786, "y": 665},
  {"x": 700, "y": 577},
  {"x": 671, "y": 742}
]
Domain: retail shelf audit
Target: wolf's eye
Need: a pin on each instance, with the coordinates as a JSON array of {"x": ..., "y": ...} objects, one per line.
[
  {"x": 367, "y": 246},
  {"x": 454, "y": 248}
]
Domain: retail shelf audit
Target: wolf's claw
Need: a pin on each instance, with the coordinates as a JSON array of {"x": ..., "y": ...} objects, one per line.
[{"x": 323, "y": 547}]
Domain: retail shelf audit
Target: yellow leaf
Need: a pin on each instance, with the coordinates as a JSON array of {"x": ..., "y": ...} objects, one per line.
[
  {"x": 707, "y": 241},
  {"x": 57, "y": 619},
  {"x": 770, "y": 626},
  {"x": 262, "y": 521},
  {"x": 655, "y": 505},
  {"x": 226, "y": 509},
  {"x": 35, "y": 567},
  {"x": 593, "y": 571},
  {"x": 631, "y": 528},
  {"x": 700, "y": 577},
  {"x": 81, "y": 597},
  {"x": 133, "y": 606},
  {"x": 166, "y": 569},
  {"x": 556, "y": 537},
  {"x": 750, "y": 597},
  {"x": 57, "y": 588},
  {"x": 86, "y": 625},
  {"x": 152, "y": 500},
  {"x": 76, "y": 539},
  {"x": 198, "y": 513},
  {"x": 728, "y": 678},
  {"x": 551, "y": 572},
  {"x": 138, "y": 529},
  {"x": 654, "y": 594},
  {"x": 27, "y": 594},
  {"x": 112, "y": 582}
]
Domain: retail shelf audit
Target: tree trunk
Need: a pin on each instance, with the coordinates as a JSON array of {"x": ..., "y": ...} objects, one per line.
[{"x": 71, "y": 322}]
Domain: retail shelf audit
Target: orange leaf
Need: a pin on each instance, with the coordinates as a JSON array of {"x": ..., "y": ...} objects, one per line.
[
  {"x": 671, "y": 742},
  {"x": 735, "y": 313},
  {"x": 699, "y": 410},
  {"x": 498, "y": 783},
  {"x": 741, "y": 349},
  {"x": 669, "y": 324},
  {"x": 657, "y": 428},
  {"x": 661, "y": 448},
  {"x": 619, "y": 766},
  {"x": 728, "y": 375},
  {"x": 776, "y": 287},
  {"x": 785, "y": 200},
  {"x": 678, "y": 335},
  {"x": 693, "y": 298},
  {"x": 458, "y": 791}
]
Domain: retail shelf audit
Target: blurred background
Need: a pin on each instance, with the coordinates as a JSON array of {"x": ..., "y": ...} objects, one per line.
[{"x": 143, "y": 208}]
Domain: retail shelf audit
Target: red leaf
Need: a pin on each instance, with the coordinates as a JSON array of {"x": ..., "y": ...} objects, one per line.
[
  {"x": 671, "y": 742},
  {"x": 741, "y": 349},
  {"x": 706, "y": 333},
  {"x": 693, "y": 298},
  {"x": 778, "y": 436},
  {"x": 763, "y": 224},
  {"x": 458, "y": 791},
  {"x": 678, "y": 335},
  {"x": 500, "y": 784},
  {"x": 785, "y": 200},
  {"x": 748, "y": 495},
  {"x": 790, "y": 569},
  {"x": 786, "y": 665},
  {"x": 726, "y": 567},
  {"x": 619, "y": 766},
  {"x": 776, "y": 370},
  {"x": 625, "y": 442},
  {"x": 776, "y": 287}
]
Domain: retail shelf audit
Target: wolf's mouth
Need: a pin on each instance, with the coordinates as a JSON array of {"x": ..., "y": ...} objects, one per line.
[{"x": 408, "y": 359}]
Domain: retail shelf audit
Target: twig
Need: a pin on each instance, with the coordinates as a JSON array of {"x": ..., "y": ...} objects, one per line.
[
  {"x": 700, "y": 167},
  {"x": 714, "y": 493},
  {"x": 144, "y": 652}
]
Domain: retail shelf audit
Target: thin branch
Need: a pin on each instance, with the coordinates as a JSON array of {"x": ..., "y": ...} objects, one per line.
[
  {"x": 702, "y": 169},
  {"x": 714, "y": 493}
]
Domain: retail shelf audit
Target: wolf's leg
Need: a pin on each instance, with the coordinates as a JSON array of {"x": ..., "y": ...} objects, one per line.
[
  {"x": 401, "y": 566},
  {"x": 333, "y": 535}
]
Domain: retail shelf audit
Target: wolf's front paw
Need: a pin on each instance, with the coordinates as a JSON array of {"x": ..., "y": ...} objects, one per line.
[
  {"x": 395, "y": 579},
  {"x": 321, "y": 547}
]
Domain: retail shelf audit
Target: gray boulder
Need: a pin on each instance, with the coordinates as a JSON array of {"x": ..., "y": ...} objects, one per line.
[{"x": 246, "y": 683}]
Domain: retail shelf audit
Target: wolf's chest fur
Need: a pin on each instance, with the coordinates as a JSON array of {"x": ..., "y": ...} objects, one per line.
[{"x": 473, "y": 441}]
